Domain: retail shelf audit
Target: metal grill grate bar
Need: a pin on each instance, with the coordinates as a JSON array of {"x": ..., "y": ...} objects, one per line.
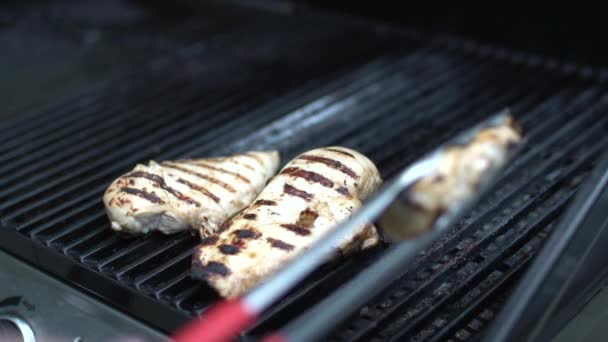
[
  {"x": 510, "y": 197},
  {"x": 392, "y": 104}
]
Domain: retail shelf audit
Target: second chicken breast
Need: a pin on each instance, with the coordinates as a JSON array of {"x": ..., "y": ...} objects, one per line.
[{"x": 313, "y": 193}]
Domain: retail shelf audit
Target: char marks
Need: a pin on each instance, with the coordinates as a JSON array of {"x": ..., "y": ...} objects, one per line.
[
  {"x": 245, "y": 165},
  {"x": 264, "y": 202},
  {"x": 293, "y": 191},
  {"x": 343, "y": 191},
  {"x": 199, "y": 175},
  {"x": 344, "y": 153},
  {"x": 255, "y": 157},
  {"x": 334, "y": 164},
  {"x": 250, "y": 216},
  {"x": 161, "y": 182},
  {"x": 143, "y": 194},
  {"x": 308, "y": 175},
  {"x": 212, "y": 268},
  {"x": 219, "y": 169},
  {"x": 200, "y": 189},
  {"x": 280, "y": 244},
  {"x": 210, "y": 240},
  {"x": 246, "y": 234},
  {"x": 229, "y": 249},
  {"x": 299, "y": 230}
]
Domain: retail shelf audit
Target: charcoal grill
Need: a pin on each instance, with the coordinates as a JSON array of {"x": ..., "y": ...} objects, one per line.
[{"x": 293, "y": 83}]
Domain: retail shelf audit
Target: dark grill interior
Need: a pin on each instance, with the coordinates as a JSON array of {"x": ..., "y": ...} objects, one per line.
[{"x": 389, "y": 94}]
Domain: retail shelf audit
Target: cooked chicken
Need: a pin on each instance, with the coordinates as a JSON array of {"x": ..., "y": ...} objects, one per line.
[
  {"x": 459, "y": 175},
  {"x": 312, "y": 194},
  {"x": 195, "y": 193}
]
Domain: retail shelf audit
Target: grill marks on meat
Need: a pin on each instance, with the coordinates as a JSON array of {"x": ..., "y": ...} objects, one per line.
[
  {"x": 314, "y": 177},
  {"x": 276, "y": 243},
  {"x": 229, "y": 249},
  {"x": 199, "y": 175},
  {"x": 299, "y": 230},
  {"x": 186, "y": 195},
  {"x": 210, "y": 240},
  {"x": 334, "y": 164},
  {"x": 312, "y": 194},
  {"x": 246, "y": 233},
  {"x": 344, "y": 153},
  {"x": 143, "y": 194},
  {"x": 293, "y": 191},
  {"x": 209, "y": 270},
  {"x": 200, "y": 189},
  {"x": 161, "y": 182},
  {"x": 264, "y": 202},
  {"x": 308, "y": 175},
  {"x": 219, "y": 169},
  {"x": 245, "y": 165},
  {"x": 254, "y": 157},
  {"x": 343, "y": 191}
]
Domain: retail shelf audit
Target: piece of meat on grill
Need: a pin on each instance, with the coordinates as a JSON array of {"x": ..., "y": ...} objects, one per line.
[
  {"x": 187, "y": 194},
  {"x": 312, "y": 194},
  {"x": 461, "y": 171}
]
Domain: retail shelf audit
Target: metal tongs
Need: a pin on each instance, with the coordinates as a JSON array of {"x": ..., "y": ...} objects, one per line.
[{"x": 225, "y": 320}]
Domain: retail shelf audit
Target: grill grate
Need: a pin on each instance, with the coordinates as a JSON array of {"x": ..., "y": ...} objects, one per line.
[
  {"x": 398, "y": 98},
  {"x": 491, "y": 245}
]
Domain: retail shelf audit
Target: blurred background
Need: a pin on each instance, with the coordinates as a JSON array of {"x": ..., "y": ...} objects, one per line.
[{"x": 50, "y": 48}]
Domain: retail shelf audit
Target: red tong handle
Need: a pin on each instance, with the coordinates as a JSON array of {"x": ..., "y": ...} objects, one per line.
[
  {"x": 275, "y": 337},
  {"x": 222, "y": 322}
]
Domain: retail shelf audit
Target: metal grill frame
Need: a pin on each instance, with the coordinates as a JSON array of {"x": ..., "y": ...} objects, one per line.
[{"x": 372, "y": 87}]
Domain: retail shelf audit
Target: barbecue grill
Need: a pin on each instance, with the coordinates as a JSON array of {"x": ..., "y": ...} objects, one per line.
[{"x": 292, "y": 82}]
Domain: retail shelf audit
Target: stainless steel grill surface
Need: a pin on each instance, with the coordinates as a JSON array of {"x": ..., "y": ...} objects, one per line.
[{"x": 294, "y": 83}]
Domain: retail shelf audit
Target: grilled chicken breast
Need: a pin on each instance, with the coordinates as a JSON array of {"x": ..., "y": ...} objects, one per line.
[
  {"x": 461, "y": 170},
  {"x": 194, "y": 193},
  {"x": 312, "y": 194}
]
